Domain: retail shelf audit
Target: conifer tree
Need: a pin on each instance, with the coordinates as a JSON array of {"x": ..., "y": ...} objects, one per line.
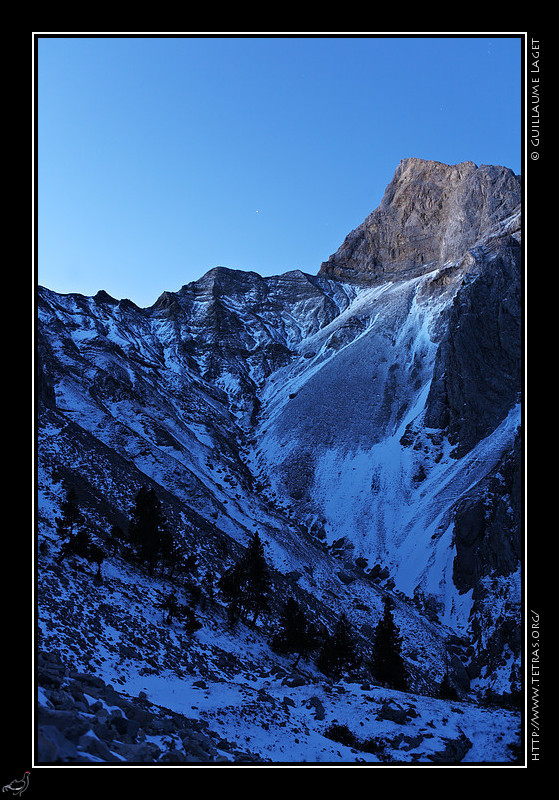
[
  {"x": 256, "y": 579},
  {"x": 295, "y": 635},
  {"x": 339, "y": 650},
  {"x": 72, "y": 517},
  {"x": 116, "y": 539},
  {"x": 230, "y": 587},
  {"x": 387, "y": 665},
  {"x": 170, "y": 606},
  {"x": 77, "y": 540},
  {"x": 148, "y": 528},
  {"x": 190, "y": 622},
  {"x": 179, "y": 611},
  {"x": 78, "y": 544},
  {"x": 95, "y": 554},
  {"x": 247, "y": 585},
  {"x": 69, "y": 527}
]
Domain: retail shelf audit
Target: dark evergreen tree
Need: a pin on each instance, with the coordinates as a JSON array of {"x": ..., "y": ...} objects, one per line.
[
  {"x": 116, "y": 540},
  {"x": 76, "y": 540},
  {"x": 230, "y": 587},
  {"x": 190, "y": 621},
  {"x": 387, "y": 665},
  {"x": 78, "y": 544},
  {"x": 82, "y": 545},
  {"x": 182, "y": 612},
  {"x": 170, "y": 606},
  {"x": 296, "y": 635},
  {"x": 95, "y": 554},
  {"x": 339, "y": 650},
  {"x": 193, "y": 592},
  {"x": 147, "y": 529},
  {"x": 68, "y": 524},
  {"x": 257, "y": 584},
  {"x": 247, "y": 586}
]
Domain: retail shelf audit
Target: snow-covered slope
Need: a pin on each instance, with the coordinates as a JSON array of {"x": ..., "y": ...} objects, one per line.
[
  {"x": 117, "y": 684},
  {"x": 343, "y": 434}
]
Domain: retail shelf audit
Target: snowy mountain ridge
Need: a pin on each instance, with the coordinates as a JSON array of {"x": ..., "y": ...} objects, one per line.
[{"x": 366, "y": 427}]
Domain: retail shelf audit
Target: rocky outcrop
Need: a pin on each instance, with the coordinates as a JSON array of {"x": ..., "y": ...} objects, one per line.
[
  {"x": 478, "y": 369},
  {"x": 236, "y": 328},
  {"x": 431, "y": 213},
  {"x": 488, "y": 539},
  {"x": 81, "y": 719},
  {"x": 454, "y": 750},
  {"x": 488, "y": 523},
  {"x": 46, "y": 395}
]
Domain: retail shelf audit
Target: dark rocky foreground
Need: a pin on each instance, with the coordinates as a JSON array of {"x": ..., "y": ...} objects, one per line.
[{"x": 85, "y": 720}]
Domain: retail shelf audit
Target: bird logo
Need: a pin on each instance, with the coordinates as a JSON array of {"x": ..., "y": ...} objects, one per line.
[{"x": 17, "y": 787}]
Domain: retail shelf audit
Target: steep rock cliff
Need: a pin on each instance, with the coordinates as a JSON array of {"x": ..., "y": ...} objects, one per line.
[{"x": 431, "y": 213}]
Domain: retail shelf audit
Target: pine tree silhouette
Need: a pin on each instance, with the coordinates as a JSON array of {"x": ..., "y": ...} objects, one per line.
[
  {"x": 295, "y": 635},
  {"x": 339, "y": 650},
  {"x": 169, "y": 605},
  {"x": 387, "y": 665},
  {"x": 247, "y": 586},
  {"x": 147, "y": 529},
  {"x": 257, "y": 579},
  {"x": 116, "y": 539},
  {"x": 71, "y": 518},
  {"x": 69, "y": 527}
]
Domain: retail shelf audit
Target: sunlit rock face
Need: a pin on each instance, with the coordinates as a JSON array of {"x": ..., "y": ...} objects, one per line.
[{"x": 431, "y": 213}]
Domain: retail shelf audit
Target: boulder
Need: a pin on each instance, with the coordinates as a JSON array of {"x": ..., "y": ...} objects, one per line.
[
  {"x": 454, "y": 751},
  {"x": 393, "y": 714},
  {"x": 316, "y": 703},
  {"x": 172, "y": 757},
  {"x": 53, "y": 747},
  {"x": 71, "y": 725},
  {"x": 96, "y": 747}
]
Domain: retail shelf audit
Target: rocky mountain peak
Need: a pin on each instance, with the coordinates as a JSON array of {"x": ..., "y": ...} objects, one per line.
[{"x": 430, "y": 213}]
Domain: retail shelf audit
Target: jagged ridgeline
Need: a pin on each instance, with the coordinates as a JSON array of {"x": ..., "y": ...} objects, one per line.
[{"x": 238, "y": 484}]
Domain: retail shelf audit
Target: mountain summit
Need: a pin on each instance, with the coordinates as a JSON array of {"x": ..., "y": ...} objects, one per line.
[
  {"x": 431, "y": 213},
  {"x": 363, "y": 424}
]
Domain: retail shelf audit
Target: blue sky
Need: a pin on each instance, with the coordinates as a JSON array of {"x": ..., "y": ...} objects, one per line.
[{"x": 160, "y": 158}]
